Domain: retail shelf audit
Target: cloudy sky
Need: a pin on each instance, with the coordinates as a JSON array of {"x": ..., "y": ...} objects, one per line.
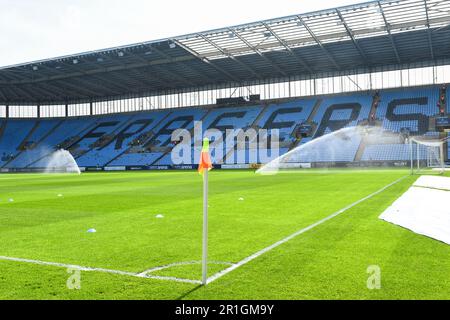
[{"x": 38, "y": 29}]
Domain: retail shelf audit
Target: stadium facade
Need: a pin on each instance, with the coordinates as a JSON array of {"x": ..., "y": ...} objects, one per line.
[{"x": 381, "y": 63}]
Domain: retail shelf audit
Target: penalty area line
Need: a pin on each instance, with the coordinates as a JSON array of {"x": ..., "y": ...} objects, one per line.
[
  {"x": 89, "y": 269},
  {"x": 299, "y": 232}
]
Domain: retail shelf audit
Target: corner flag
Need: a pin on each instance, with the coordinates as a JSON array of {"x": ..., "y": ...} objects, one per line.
[
  {"x": 205, "y": 160},
  {"x": 204, "y": 165}
]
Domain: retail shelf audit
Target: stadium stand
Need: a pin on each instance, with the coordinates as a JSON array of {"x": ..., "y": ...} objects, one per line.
[
  {"x": 285, "y": 117},
  {"x": 339, "y": 112},
  {"x": 391, "y": 152},
  {"x": 127, "y": 130},
  {"x": 158, "y": 143},
  {"x": 409, "y": 109},
  {"x": 405, "y": 109},
  {"x": 338, "y": 149},
  {"x": 230, "y": 118},
  {"x": 221, "y": 119},
  {"x": 229, "y": 70},
  {"x": 13, "y": 134},
  {"x": 333, "y": 114},
  {"x": 57, "y": 137},
  {"x": 448, "y": 100},
  {"x": 144, "y": 139}
]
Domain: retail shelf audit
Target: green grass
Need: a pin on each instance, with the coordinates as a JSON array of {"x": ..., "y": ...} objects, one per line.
[{"x": 328, "y": 262}]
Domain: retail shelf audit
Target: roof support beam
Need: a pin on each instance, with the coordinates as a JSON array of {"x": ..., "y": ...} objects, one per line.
[
  {"x": 20, "y": 72},
  {"x": 257, "y": 51},
  {"x": 232, "y": 57},
  {"x": 105, "y": 82},
  {"x": 130, "y": 79},
  {"x": 207, "y": 61},
  {"x": 80, "y": 90},
  {"x": 352, "y": 36},
  {"x": 430, "y": 38},
  {"x": 165, "y": 56},
  {"x": 102, "y": 70},
  {"x": 163, "y": 81},
  {"x": 83, "y": 85},
  {"x": 14, "y": 92},
  {"x": 388, "y": 29},
  {"x": 136, "y": 79},
  {"x": 442, "y": 29},
  {"x": 51, "y": 88},
  {"x": 25, "y": 93},
  {"x": 3, "y": 96},
  {"x": 111, "y": 85},
  {"x": 10, "y": 76},
  {"x": 50, "y": 95},
  {"x": 288, "y": 48},
  {"x": 80, "y": 84},
  {"x": 319, "y": 43},
  {"x": 172, "y": 74},
  {"x": 162, "y": 76}
]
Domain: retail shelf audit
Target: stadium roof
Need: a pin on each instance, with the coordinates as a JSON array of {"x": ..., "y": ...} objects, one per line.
[{"x": 366, "y": 35}]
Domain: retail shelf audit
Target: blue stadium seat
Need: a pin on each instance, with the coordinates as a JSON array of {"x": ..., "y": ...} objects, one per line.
[
  {"x": 222, "y": 119},
  {"x": 330, "y": 149},
  {"x": 183, "y": 118},
  {"x": 448, "y": 144},
  {"x": 392, "y": 152},
  {"x": 410, "y": 102},
  {"x": 67, "y": 129},
  {"x": 44, "y": 127},
  {"x": 336, "y": 113},
  {"x": 143, "y": 139},
  {"x": 130, "y": 129},
  {"x": 448, "y": 100},
  {"x": 284, "y": 117},
  {"x": 15, "y": 132}
]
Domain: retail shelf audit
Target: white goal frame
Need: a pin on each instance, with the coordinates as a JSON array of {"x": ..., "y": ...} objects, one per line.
[{"x": 434, "y": 154}]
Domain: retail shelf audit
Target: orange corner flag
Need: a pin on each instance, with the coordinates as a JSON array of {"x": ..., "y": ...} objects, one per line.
[{"x": 205, "y": 160}]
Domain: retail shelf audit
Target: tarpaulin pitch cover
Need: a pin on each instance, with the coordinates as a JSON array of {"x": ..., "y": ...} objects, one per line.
[{"x": 424, "y": 208}]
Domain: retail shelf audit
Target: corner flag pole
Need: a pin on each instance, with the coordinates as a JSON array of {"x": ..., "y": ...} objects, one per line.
[
  {"x": 204, "y": 165},
  {"x": 205, "y": 229}
]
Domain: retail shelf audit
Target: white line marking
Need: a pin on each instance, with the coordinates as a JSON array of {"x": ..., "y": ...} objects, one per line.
[
  {"x": 210, "y": 279},
  {"x": 187, "y": 263},
  {"x": 89, "y": 269},
  {"x": 276, "y": 244},
  {"x": 432, "y": 188}
]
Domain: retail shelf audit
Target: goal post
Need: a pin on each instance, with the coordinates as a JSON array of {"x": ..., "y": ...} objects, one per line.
[{"x": 427, "y": 154}]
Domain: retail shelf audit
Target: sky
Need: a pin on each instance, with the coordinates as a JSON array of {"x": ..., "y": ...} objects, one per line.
[{"x": 38, "y": 29}]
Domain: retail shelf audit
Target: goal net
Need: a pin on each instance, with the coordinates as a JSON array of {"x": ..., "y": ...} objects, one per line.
[{"x": 427, "y": 155}]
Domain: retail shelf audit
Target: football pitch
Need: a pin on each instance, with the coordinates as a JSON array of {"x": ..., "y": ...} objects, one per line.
[{"x": 297, "y": 235}]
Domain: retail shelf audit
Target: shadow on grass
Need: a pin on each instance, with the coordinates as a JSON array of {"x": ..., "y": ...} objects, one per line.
[{"x": 189, "y": 292}]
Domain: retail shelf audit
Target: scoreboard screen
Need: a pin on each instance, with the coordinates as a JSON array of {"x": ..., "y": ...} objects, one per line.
[
  {"x": 305, "y": 129},
  {"x": 443, "y": 122}
]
